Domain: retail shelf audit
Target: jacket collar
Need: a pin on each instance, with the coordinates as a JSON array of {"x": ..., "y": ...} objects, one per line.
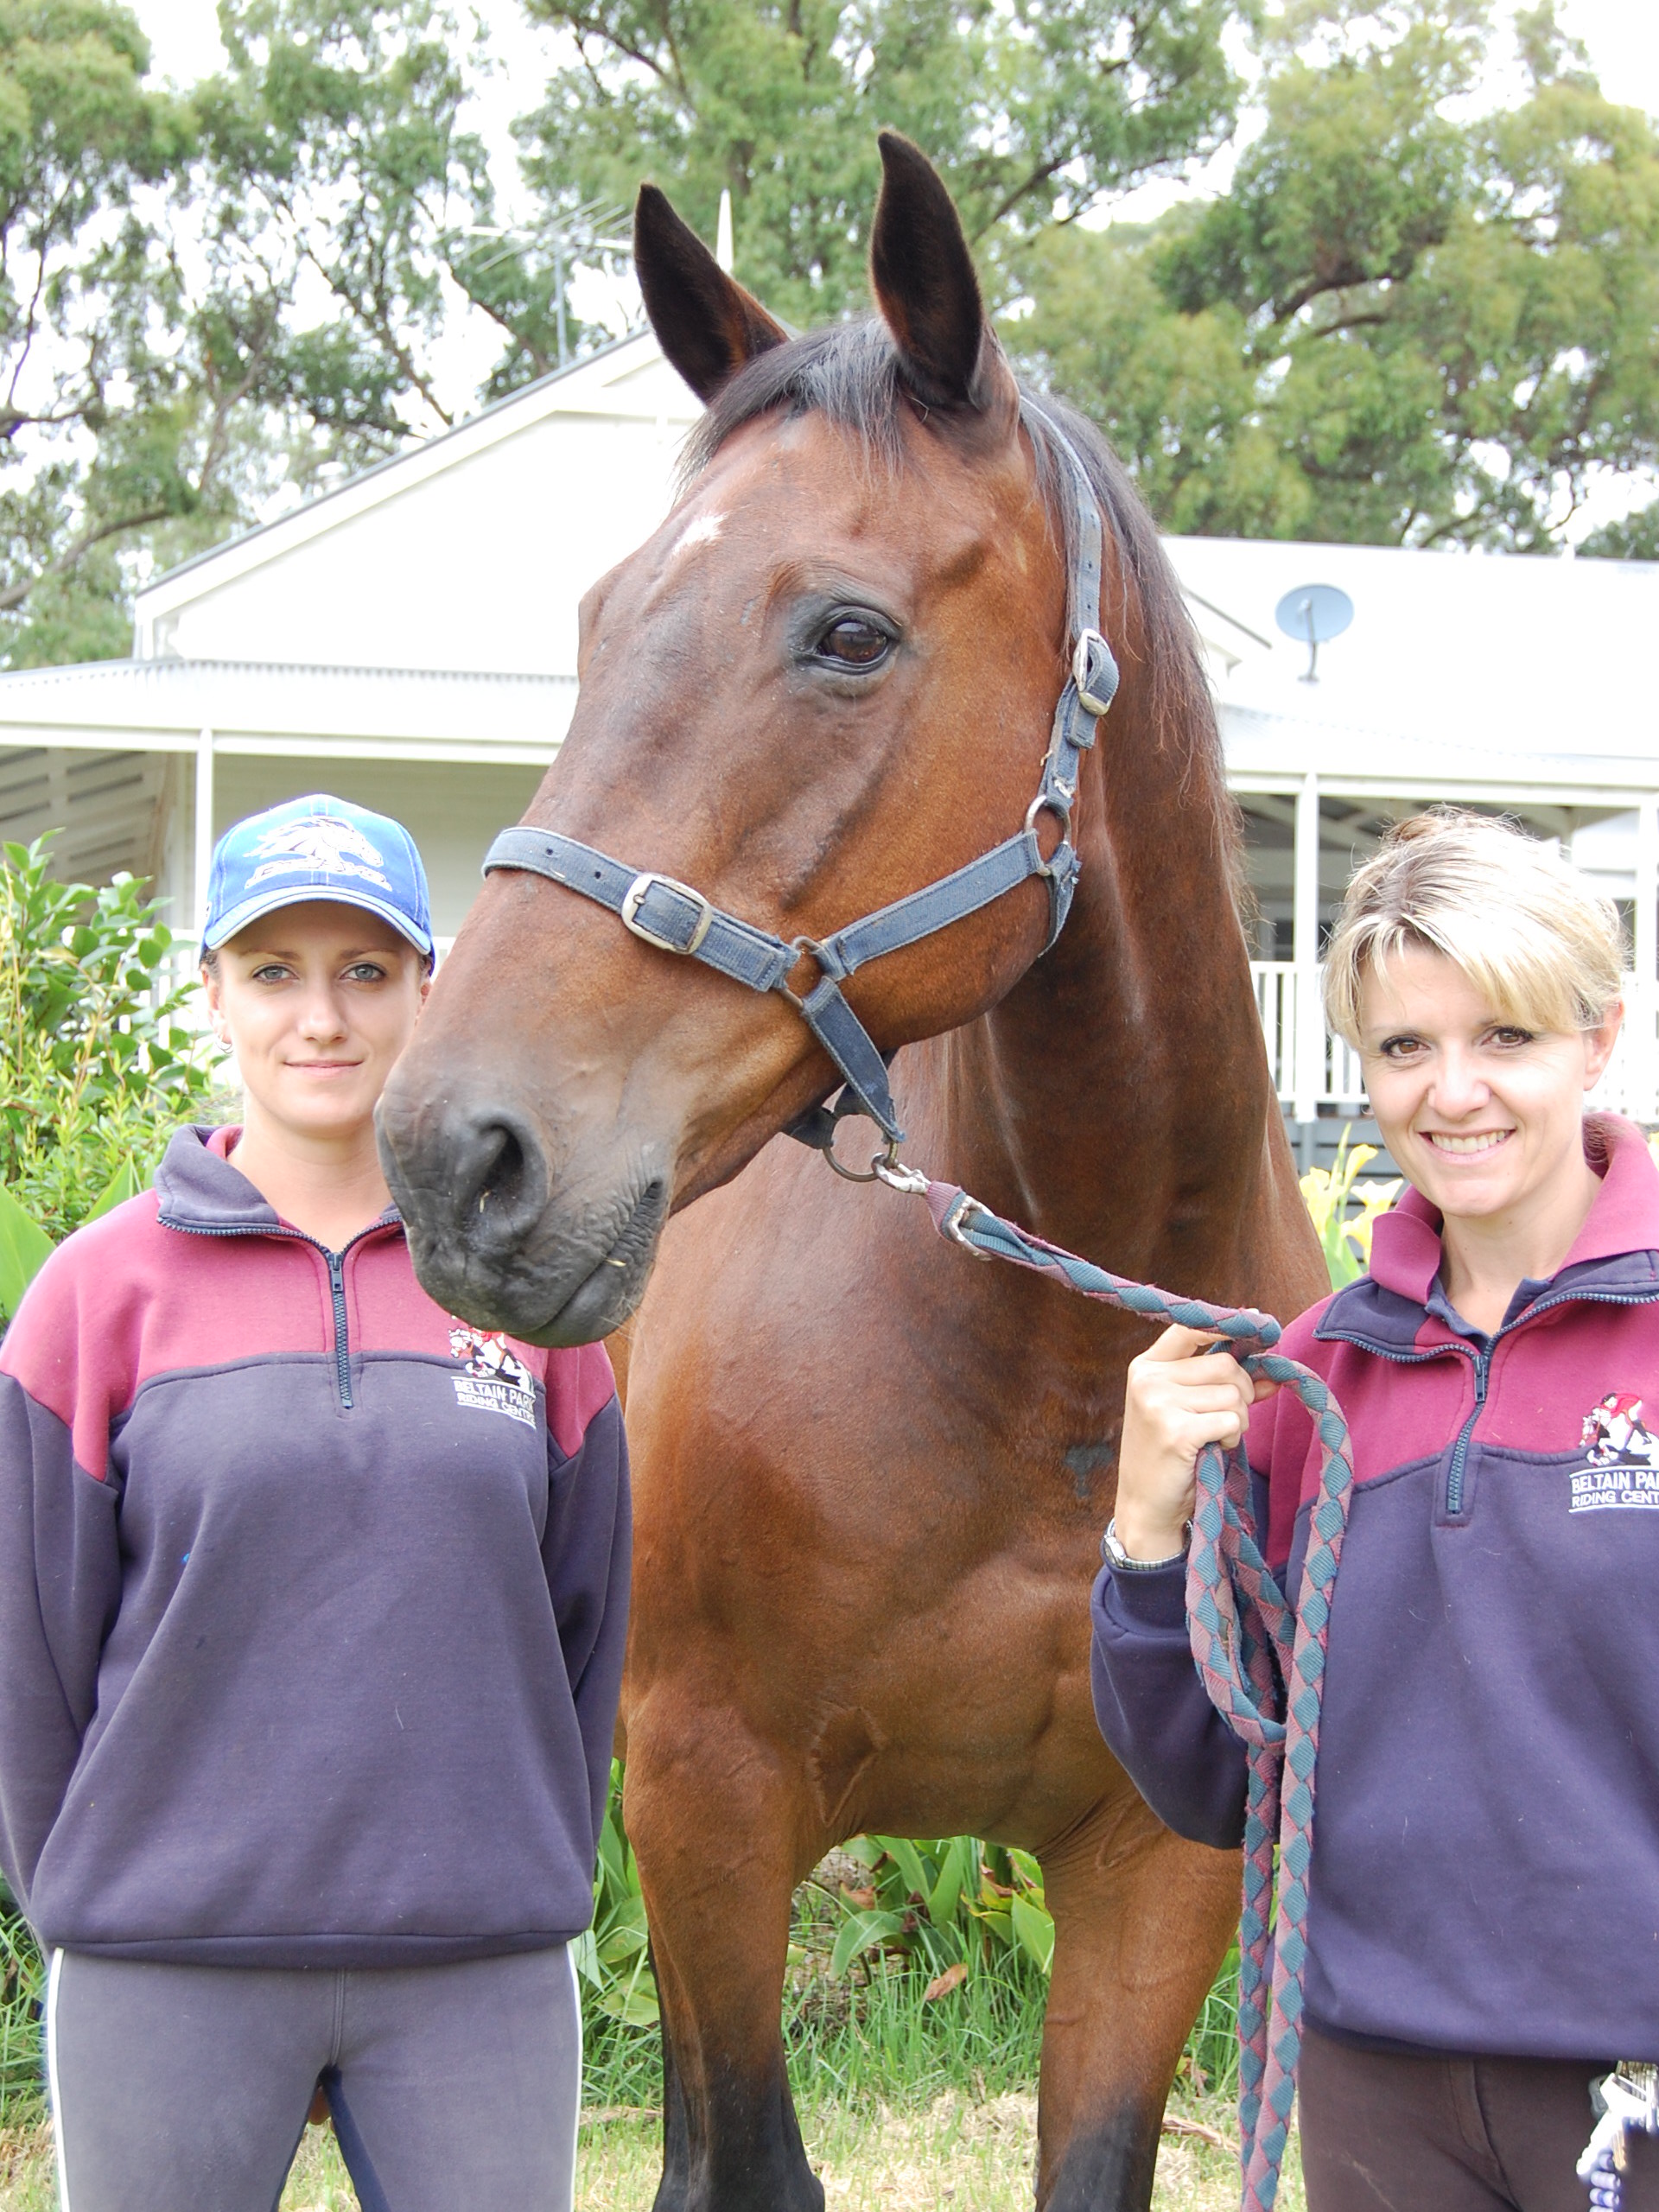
[
  {"x": 201, "y": 1189},
  {"x": 1617, "y": 1251}
]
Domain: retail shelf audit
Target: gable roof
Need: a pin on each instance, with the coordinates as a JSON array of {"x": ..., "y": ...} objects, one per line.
[
  {"x": 628, "y": 378},
  {"x": 1518, "y": 672}
]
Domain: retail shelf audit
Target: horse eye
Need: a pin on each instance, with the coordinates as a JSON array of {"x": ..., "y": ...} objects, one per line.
[{"x": 853, "y": 642}]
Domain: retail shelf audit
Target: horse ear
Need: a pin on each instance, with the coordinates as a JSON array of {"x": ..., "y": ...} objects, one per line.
[
  {"x": 707, "y": 324},
  {"x": 923, "y": 277}
]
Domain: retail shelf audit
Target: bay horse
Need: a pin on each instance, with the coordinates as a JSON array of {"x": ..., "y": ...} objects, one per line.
[{"x": 871, "y": 1478}]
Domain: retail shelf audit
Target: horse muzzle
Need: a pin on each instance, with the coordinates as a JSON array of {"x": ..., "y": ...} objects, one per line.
[{"x": 499, "y": 1239}]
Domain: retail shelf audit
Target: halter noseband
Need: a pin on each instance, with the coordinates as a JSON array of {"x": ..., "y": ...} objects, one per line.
[{"x": 674, "y": 917}]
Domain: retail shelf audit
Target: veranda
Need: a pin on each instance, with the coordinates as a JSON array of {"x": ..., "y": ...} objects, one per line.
[{"x": 408, "y": 639}]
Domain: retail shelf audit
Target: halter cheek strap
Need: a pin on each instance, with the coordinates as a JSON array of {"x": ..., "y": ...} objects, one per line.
[{"x": 673, "y": 918}]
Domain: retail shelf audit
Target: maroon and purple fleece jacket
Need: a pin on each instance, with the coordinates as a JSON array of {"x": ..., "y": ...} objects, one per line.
[
  {"x": 312, "y": 1598},
  {"x": 1485, "y": 1872}
]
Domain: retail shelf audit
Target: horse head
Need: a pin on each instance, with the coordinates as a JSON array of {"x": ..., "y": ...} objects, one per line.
[{"x": 826, "y": 682}]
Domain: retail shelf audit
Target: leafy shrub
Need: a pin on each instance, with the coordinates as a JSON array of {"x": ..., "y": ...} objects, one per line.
[
  {"x": 611, "y": 1958},
  {"x": 1343, "y": 1210},
  {"x": 100, "y": 1065},
  {"x": 951, "y": 1904}
]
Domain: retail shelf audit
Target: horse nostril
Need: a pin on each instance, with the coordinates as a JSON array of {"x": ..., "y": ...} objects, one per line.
[
  {"x": 503, "y": 1177},
  {"x": 509, "y": 1182}
]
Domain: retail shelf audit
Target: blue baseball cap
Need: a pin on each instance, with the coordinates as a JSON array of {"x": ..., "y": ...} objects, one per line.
[{"x": 317, "y": 847}]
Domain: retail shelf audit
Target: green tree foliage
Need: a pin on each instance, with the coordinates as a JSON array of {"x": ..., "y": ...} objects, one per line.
[
  {"x": 1634, "y": 537},
  {"x": 1028, "y": 108},
  {"x": 1402, "y": 324},
  {"x": 99, "y": 1066},
  {"x": 208, "y": 296},
  {"x": 84, "y": 385},
  {"x": 213, "y": 296},
  {"x": 338, "y": 181}
]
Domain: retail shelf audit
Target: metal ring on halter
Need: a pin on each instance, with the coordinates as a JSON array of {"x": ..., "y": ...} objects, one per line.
[
  {"x": 886, "y": 1158},
  {"x": 1051, "y": 802}
]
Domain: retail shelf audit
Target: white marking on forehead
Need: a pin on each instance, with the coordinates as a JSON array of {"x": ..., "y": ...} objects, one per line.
[{"x": 704, "y": 531}]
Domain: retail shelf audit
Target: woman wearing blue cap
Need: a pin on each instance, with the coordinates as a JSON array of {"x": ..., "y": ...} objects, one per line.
[{"x": 312, "y": 1602}]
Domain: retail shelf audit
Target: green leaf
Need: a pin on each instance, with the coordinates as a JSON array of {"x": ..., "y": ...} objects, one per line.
[
  {"x": 620, "y": 1945},
  {"x": 585, "y": 1959},
  {"x": 25, "y": 1248},
  {"x": 125, "y": 1183},
  {"x": 1033, "y": 1931},
  {"x": 862, "y": 1931},
  {"x": 635, "y": 2008},
  {"x": 956, "y": 1874},
  {"x": 908, "y": 1860},
  {"x": 1027, "y": 1870}
]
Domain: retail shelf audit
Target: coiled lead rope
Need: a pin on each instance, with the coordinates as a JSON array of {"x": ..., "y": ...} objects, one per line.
[{"x": 1261, "y": 1663}]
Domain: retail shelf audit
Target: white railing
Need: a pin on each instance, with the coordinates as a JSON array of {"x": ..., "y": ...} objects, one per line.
[
  {"x": 1630, "y": 1086},
  {"x": 1283, "y": 1004}
]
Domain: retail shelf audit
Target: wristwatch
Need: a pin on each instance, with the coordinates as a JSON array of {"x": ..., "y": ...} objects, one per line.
[{"x": 1115, "y": 1556}]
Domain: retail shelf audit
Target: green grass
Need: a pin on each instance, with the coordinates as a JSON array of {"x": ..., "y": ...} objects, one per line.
[
  {"x": 905, "y": 2104},
  {"x": 869, "y": 2039},
  {"x": 967, "y": 2154},
  {"x": 20, "y": 1993}
]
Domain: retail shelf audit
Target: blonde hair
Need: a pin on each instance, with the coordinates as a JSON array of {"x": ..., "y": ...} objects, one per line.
[{"x": 1519, "y": 920}]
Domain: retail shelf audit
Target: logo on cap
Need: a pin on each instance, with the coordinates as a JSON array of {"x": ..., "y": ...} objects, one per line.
[{"x": 320, "y": 845}]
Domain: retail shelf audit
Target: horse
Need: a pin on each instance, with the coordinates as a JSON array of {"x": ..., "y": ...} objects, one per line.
[{"x": 871, "y": 1478}]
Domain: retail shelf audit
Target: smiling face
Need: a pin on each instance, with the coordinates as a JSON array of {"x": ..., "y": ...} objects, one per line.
[
  {"x": 1482, "y": 1115},
  {"x": 317, "y": 1001}
]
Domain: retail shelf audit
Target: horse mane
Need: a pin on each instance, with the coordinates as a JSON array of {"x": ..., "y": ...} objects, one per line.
[{"x": 848, "y": 371}]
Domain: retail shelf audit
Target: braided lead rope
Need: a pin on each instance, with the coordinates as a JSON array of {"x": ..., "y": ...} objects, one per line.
[{"x": 1262, "y": 1664}]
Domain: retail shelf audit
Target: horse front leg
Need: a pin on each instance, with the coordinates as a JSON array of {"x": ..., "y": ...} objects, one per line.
[
  {"x": 1142, "y": 1921},
  {"x": 715, "y": 1828}
]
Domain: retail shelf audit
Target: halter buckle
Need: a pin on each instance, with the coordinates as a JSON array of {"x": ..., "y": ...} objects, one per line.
[
  {"x": 634, "y": 897},
  {"x": 1093, "y": 671}
]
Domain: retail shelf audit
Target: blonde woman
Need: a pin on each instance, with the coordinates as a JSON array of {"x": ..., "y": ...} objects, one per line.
[
  {"x": 1483, "y": 1923},
  {"x": 312, "y": 1605}
]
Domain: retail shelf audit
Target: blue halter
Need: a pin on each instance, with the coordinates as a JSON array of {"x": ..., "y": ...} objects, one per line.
[{"x": 674, "y": 917}]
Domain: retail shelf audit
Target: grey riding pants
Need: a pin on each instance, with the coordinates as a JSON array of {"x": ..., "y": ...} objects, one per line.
[{"x": 186, "y": 2089}]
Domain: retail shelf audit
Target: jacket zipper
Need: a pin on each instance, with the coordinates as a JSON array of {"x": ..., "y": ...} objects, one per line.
[
  {"x": 1483, "y": 1363},
  {"x": 1460, "y": 1449},
  {"x": 336, "y": 1262},
  {"x": 342, "y": 1346}
]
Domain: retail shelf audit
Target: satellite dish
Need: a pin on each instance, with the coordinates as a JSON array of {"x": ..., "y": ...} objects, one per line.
[{"x": 1314, "y": 613}]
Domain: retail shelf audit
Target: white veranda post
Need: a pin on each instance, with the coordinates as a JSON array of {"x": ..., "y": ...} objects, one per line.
[
  {"x": 1309, "y": 1063},
  {"x": 204, "y": 827}
]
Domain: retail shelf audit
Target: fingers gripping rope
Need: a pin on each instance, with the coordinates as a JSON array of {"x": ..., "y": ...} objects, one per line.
[{"x": 1261, "y": 1663}]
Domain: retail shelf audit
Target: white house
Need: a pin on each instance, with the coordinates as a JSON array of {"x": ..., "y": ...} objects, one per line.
[
  {"x": 408, "y": 639},
  {"x": 423, "y": 615}
]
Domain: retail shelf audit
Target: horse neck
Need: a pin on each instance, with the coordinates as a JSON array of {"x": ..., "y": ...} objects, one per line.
[{"x": 1118, "y": 1100}]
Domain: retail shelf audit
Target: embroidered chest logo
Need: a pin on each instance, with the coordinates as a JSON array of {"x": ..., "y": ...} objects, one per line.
[
  {"x": 494, "y": 1380},
  {"x": 1622, "y": 1457}
]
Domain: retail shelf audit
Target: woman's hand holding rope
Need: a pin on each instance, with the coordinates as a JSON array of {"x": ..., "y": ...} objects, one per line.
[{"x": 1180, "y": 1397}]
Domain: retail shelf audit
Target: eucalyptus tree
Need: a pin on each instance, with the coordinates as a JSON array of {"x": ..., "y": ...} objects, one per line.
[
  {"x": 1403, "y": 322},
  {"x": 1031, "y": 109}
]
